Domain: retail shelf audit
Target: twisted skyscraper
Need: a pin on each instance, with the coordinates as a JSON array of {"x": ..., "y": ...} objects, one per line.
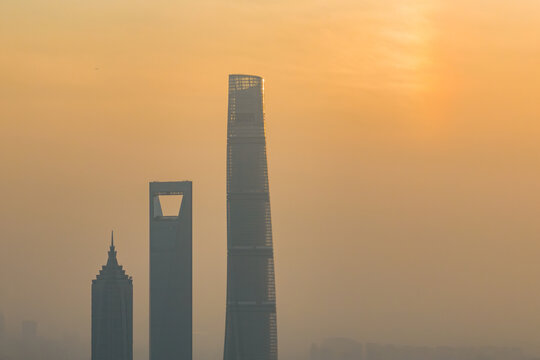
[{"x": 251, "y": 332}]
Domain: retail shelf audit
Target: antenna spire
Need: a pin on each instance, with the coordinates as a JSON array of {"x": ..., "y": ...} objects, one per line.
[{"x": 112, "y": 252}]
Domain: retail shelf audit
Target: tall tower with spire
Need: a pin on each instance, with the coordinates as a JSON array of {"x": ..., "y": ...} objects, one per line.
[{"x": 112, "y": 311}]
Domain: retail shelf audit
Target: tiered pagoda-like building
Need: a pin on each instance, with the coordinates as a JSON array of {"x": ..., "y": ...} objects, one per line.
[{"x": 112, "y": 312}]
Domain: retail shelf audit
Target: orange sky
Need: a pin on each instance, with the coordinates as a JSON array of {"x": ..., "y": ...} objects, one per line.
[{"x": 403, "y": 158}]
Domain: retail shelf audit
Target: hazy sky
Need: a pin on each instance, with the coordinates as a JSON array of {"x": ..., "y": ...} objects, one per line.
[{"x": 404, "y": 160}]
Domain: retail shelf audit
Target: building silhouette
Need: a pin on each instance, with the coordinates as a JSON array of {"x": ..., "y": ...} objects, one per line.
[
  {"x": 375, "y": 351},
  {"x": 29, "y": 340},
  {"x": 337, "y": 349},
  {"x": 171, "y": 271},
  {"x": 28, "y": 332},
  {"x": 251, "y": 331},
  {"x": 112, "y": 312},
  {"x": 2, "y": 336},
  {"x": 348, "y": 349}
]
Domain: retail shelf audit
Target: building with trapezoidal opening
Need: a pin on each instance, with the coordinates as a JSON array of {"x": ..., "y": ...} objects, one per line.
[
  {"x": 250, "y": 330},
  {"x": 171, "y": 270},
  {"x": 112, "y": 312}
]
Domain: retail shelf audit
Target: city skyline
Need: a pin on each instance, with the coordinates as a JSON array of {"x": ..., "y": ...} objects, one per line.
[{"x": 402, "y": 144}]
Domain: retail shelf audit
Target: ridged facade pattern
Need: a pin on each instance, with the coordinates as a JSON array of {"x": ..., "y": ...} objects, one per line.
[{"x": 251, "y": 330}]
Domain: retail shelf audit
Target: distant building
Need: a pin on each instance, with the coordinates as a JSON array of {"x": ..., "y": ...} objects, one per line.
[
  {"x": 171, "y": 272},
  {"x": 251, "y": 324},
  {"x": 29, "y": 340},
  {"x": 112, "y": 312},
  {"x": 2, "y": 336},
  {"x": 337, "y": 349},
  {"x": 28, "y": 332},
  {"x": 404, "y": 352},
  {"x": 2, "y": 326},
  {"x": 347, "y": 349}
]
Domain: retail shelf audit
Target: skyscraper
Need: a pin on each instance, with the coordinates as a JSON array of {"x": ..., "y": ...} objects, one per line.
[
  {"x": 251, "y": 331},
  {"x": 2, "y": 336},
  {"x": 29, "y": 340},
  {"x": 112, "y": 312},
  {"x": 2, "y": 327},
  {"x": 28, "y": 332},
  {"x": 170, "y": 270}
]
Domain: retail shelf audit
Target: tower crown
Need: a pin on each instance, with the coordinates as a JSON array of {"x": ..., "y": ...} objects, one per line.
[{"x": 112, "y": 270}]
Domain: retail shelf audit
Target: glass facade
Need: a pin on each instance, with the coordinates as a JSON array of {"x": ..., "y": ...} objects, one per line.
[{"x": 251, "y": 332}]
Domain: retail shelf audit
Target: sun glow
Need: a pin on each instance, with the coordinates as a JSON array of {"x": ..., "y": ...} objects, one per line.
[{"x": 404, "y": 48}]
